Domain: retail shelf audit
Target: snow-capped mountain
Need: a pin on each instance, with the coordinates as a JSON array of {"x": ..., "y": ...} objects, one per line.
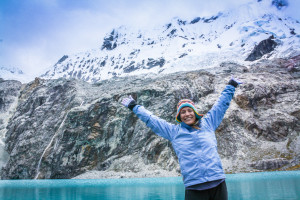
[
  {"x": 14, "y": 73},
  {"x": 184, "y": 45}
]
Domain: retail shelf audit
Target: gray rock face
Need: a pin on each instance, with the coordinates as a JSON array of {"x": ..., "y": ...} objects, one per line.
[
  {"x": 9, "y": 92},
  {"x": 64, "y": 128},
  {"x": 270, "y": 164},
  {"x": 264, "y": 47},
  {"x": 109, "y": 42}
]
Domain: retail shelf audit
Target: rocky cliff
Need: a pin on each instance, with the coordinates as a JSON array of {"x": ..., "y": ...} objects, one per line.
[
  {"x": 64, "y": 128},
  {"x": 9, "y": 92}
]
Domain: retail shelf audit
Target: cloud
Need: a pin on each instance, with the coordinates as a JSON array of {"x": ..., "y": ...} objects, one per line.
[
  {"x": 293, "y": 9},
  {"x": 39, "y": 33}
]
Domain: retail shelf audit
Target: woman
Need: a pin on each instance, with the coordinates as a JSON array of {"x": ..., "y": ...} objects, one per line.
[{"x": 194, "y": 142}]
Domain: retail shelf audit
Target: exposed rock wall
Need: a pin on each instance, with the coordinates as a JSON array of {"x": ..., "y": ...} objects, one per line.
[
  {"x": 64, "y": 128},
  {"x": 9, "y": 92},
  {"x": 264, "y": 47}
]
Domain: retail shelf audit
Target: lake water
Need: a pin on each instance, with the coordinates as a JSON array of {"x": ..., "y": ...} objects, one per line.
[{"x": 252, "y": 186}]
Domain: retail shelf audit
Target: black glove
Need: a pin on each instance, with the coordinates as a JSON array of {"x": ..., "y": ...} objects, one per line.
[{"x": 234, "y": 82}]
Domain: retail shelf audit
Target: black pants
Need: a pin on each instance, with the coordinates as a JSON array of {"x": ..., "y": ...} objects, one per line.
[{"x": 216, "y": 193}]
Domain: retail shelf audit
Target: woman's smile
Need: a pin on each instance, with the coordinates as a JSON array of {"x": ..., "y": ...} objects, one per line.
[{"x": 187, "y": 115}]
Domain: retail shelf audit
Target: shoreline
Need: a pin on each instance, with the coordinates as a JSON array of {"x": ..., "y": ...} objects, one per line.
[{"x": 93, "y": 174}]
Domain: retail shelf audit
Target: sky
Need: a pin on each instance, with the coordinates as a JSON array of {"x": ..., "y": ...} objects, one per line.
[{"x": 35, "y": 34}]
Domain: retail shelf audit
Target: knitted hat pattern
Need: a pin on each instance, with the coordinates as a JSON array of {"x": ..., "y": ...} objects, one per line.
[{"x": 186, "y": 103}]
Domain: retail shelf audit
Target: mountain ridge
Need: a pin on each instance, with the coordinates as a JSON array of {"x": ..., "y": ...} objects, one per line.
[{"x": 183, "y": 45}]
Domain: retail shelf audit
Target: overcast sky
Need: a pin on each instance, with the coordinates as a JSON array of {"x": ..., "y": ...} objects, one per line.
[{"x": 35, "y": 34}]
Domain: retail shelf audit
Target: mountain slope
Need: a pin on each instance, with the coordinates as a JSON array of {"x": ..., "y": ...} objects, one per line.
[
  {"x": 63, "y": 128},
  {"x": 200, "y": 43}
]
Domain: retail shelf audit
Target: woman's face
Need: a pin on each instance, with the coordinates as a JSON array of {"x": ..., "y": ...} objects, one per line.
[{"x": 187, "y": 115}]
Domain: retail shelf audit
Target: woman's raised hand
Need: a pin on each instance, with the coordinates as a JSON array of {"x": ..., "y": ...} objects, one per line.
[
  {"x": 234, "y": 81},
  {"x": 126, "y": 101},
  {"x": 129, "y": 102}
]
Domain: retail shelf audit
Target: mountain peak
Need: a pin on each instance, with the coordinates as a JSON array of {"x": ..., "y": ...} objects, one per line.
[{"x": 280, "y": 4}]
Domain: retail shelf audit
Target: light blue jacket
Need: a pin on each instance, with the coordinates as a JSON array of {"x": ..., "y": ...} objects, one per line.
[{"x": 196, "y": 149}]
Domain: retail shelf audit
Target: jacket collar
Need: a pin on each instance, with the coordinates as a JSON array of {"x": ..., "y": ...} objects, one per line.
[{"x": 188, "y": 127}]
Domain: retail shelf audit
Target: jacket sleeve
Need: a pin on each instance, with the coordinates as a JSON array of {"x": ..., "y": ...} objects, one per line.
[
  {"x": 157, "y": 125},
  {"x": 215, "y": 115}
]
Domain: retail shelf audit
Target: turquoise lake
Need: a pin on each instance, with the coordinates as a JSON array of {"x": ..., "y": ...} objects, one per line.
[{"x": 252, "y": 186}]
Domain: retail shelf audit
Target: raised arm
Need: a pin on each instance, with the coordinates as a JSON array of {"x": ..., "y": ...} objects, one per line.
[
  {"x": 157, "y": 125},
  {"x": 215, "y": 115}
]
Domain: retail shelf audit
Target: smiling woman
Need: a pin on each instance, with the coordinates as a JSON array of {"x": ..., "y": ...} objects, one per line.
[
  {"x": 187, "y": 113},
  {"x": 188, "y": 116},
  {"x": 194, "y": 142}
]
